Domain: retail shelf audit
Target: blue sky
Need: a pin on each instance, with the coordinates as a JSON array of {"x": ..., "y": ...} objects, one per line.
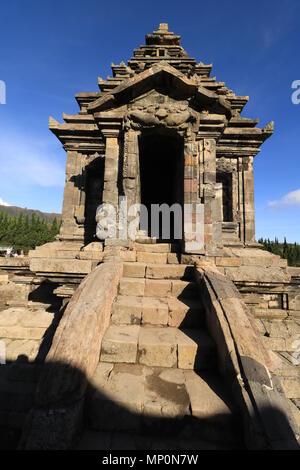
[{"x": 51, "y": 50}]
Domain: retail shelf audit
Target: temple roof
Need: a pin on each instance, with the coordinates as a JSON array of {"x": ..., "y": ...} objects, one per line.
[
  {"x": 176, "y": 82},
  {"x": 163, "y": 37},
  {"x": 163, "y": 45},
  {"x": 163, "y": 63}
]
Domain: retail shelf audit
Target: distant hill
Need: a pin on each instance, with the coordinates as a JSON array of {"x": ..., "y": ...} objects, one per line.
[{"x": 14, "y": 211}]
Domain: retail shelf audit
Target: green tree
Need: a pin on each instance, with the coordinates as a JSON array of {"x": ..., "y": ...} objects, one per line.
[{"x": 26, "y": 233}]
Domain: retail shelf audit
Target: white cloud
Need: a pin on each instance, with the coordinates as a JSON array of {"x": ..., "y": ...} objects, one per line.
[
  {"x": 3, "y": 203},
  {"x": 28, "y": 161},
  {"x": 290, "y": 199}
]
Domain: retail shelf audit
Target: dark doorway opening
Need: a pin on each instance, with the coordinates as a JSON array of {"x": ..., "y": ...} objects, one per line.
[
  {"x": 226, "y": 180},
  {"x": 162, "y": 177},
  {"x": 94, "y": 190}
]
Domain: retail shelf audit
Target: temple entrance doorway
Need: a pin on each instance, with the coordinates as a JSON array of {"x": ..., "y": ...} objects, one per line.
[
  {"x": 162, "y": 179},
  {"x": 94, "y": 186}
]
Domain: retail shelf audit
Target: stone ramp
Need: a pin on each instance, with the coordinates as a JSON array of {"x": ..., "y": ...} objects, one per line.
[{"x": 178, "y": 404}]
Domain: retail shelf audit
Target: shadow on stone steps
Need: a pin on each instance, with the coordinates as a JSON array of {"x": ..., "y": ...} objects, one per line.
[{"x": 63, "y": 424}]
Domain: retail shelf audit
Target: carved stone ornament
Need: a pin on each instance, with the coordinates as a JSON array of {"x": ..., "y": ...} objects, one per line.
[
  {"x": 226, "y": 165},
  {"x": 162, "y": 115}
]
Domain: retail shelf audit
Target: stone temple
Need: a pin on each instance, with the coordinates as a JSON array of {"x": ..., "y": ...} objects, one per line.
[
  {"x": 153, "y": 341},
  {"x": 161, "y": 130}
]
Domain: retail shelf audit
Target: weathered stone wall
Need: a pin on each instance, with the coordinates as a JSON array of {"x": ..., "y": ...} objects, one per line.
[{"x": 73, "y": 210}]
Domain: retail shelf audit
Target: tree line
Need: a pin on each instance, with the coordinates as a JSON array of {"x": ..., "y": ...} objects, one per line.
[
  {"x": 289, "y": 251},
  {"x": 25, "y": 233}
]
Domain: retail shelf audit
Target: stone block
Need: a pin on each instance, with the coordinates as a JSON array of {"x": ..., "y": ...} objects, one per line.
[
  {"x": 22, "y": 347},
  {"x": 228, "y": 261},
  {"x": 157, "y": 288},
  {"x": 294, "y": 302},
  {"x": 128, "y": 256},
  {"x": 64, "y": 254},
  {"x": 132, "y": 286},
  {"x": 154, "y": 311},
  {"x": 19, "y": 332},
  {"x": 251, "y": 298},
  {"x": 187, "y": 351},
  {"x": 291, "y": 387},
  {"x": 3, "y": 278},
  {"x": 151, "y": 258},
  {"x": 174, "y": 404},
  {"x": 152, "y": 247},
  {"x": 101, "y": 375},
  {"x": 274, "y": 344},
  {"x": 120, "y": 344},
  {"x": 274, "y": 304},
  {"x": 177, "y": 312},
  {"x": 94, "y": 246},
  {"x": 184, "y": 289},
  {"x": 173, "y": 258},
  {"x": 169, "y": 271},
  {"x": 91, "y": 255},
  {"x": 206, "y": 395},
  {"x": 38, "y": 319},
  {"x": 14, "y": 262},
  {"x": 117, "y": 401},
  {"x": 257, "y": 274},
  {"x": 275, "y": 313},
  {"x": 134, "y": 270},
  {"x": 127, "y": 310},
  {"x": 196, "y": 350},
  {"x": 10, "y": 316},
  {"x": 73, "y": 266},
  {"x": 116, "y": 242},
  {"x": 157, "y": 347}
]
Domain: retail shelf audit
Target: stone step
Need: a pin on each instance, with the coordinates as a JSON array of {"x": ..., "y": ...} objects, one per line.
[
  {"x": 131, "y": 256},
  {"x": 153, "y": 258},
  {"x": 158, "y": 347},
  {"x": 21, "y": 323},
  {"x": 158, "y": 288},
  {"x": 155, "y": 247},
  {"x": 184, "y": 405},
  {"x": 132, "y": 310},
  {"x": 158, "y": 271},
  {"x": 29, "y": 304}
]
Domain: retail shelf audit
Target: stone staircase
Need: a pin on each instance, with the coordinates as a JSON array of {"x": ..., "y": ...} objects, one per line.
[{"x": 157, "y": 385}]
